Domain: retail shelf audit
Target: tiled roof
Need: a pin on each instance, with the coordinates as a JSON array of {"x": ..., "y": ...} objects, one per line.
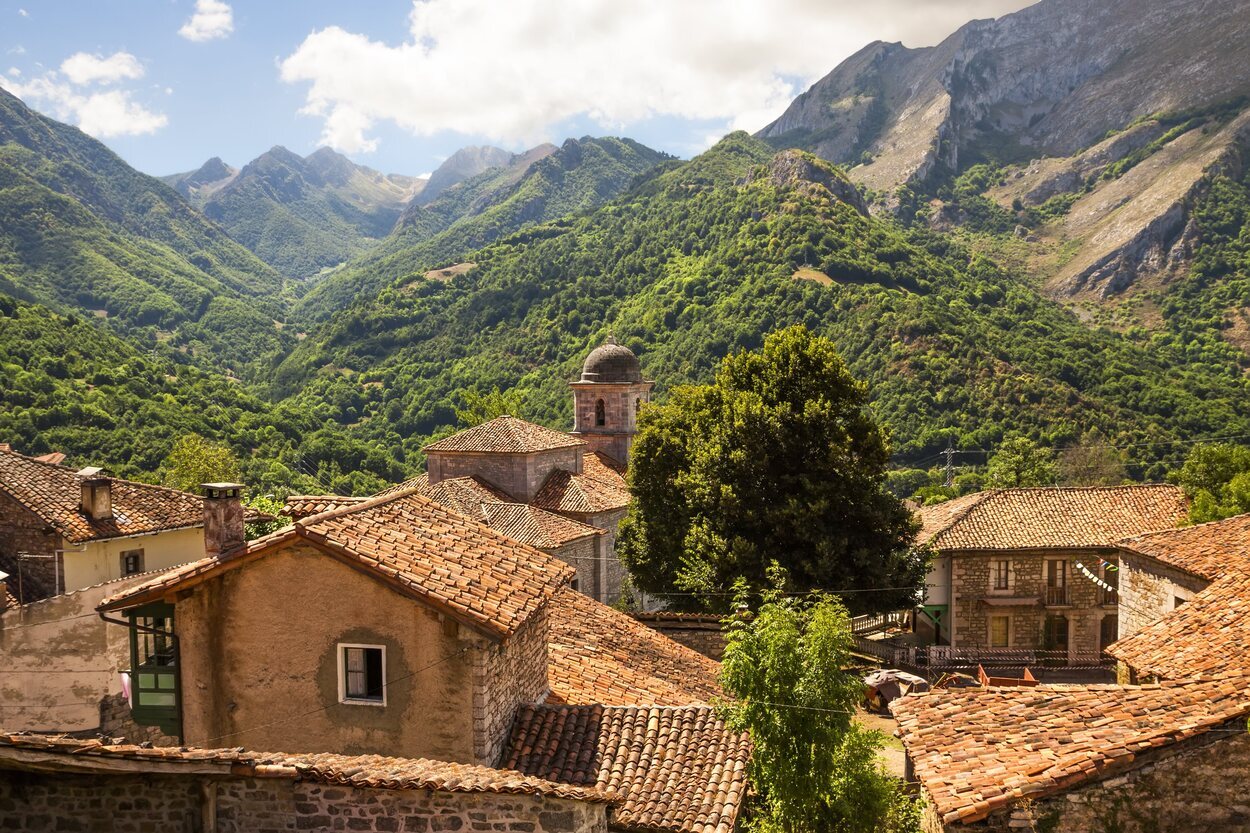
[
  {"x": 600, "y": 487},
  {"x": 368, "y": 771},
  {"x": 1207, "y": 550},
  {"x": 1052, "y": 517},
  {"x": 54, "y": 494},
  {"x": 534, "y": 526},
  {"x": 976, "y": 751},
  {"x": 506, "y": 435},
  {"x": 302, "y": 506},
  {"x": 464, "y": 494},
  {"x": 673, "y": 769},
  {"x": 1207, "y": 634},
  {"x": 417, "y": 546},
  {"x": 600, "y": 655}
]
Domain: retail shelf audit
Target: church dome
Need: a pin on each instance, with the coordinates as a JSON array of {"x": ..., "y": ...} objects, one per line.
[{"x": 611, "y": 362}]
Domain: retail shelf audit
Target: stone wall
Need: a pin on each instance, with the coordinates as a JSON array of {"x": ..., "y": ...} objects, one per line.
[
  {"x": 1195, "y": 787},
  {"x": 520, "y": 475},
  {"x": 38, "y": 802},
  {"x": 1149, "y": 589},
  {"x": 21, "y": 531},
  {"x": 971, "y": 582},
  {"x": 612, "y": 573},
  {"x": 583, "y": 554},
  {"x": 59, "y": 661},
  {"x": 620, "y": 404},
  {"x": 506, "y": 676},
  {"x": 704, "y": 634}
]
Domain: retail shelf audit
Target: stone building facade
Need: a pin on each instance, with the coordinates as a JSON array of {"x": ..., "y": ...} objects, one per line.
[
  {"x": 1151, "y": 589},
  {"x": 607, "y": 399},
  {"x": 705, "y": 634}
]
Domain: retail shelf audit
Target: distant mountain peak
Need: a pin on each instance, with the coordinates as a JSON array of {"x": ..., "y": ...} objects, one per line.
[{"x": 463, "y": 164}]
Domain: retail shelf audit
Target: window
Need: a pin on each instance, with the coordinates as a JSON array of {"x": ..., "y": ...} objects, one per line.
[
  {"x": 1000, "y": 574},
  {"x": 601, "y": 413},
  {"x": 132, "y": 562},
  {"x": 1109, "y": 630},
  {"x": 362, "y": 674},
  {"x": 154, "y": 667},
  {"x": 637, "y": 407},
  {"x": 1056, "y": 573},
  {"x": 1177, "y": 601},
  {"x": 1000, "y": 631}
]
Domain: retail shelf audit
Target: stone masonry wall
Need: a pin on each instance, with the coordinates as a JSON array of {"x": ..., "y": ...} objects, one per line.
[
  {"x": 972, "y": 584},
  {"x": 505, "y": 677},
  {"x": 704, "y": 634},
  {"x": 1194, "y": 789},
  {"x": 150, "y": 803},
  {"x": 21, "y": 531},
  {"x": 583, "y": 554},
  {"x": 1148, "y": 590},
  {"x": 520, "y": 475}
]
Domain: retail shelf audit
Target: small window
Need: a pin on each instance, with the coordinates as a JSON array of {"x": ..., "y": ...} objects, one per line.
[
  {"x": 637, "y": 407},
  {"x": 1000, "y": 631},
  {"x": 601, "y": 413},
  {"x": 1001, "y": 574},
  {"x": 362, "y": 674},
  {"x": 132, "y": 562}
]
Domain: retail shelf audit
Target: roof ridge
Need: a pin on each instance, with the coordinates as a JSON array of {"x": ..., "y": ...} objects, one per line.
[
  {"x": 1120, "y": 487},
  {"x": 364, "y": 504},
  {"x": 1181, "y": 529}
]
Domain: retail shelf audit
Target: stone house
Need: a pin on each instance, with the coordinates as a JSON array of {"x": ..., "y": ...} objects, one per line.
[
  {"x": 1195, "y": 586},
  {"x": 59, "y": 784},
  {"x": 395, "y": 626},
  {"x": 1014, "y": 568},
  {"x": 1082, "y": 759},
  {"x": 63, "y": 530}
]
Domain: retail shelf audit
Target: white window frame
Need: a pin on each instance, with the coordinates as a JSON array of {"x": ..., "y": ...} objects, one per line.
[{"x": 341, "y": 650}]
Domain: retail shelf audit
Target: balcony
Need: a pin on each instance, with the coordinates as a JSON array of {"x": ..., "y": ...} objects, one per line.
[
  {"x": 1108, "y": 598},
  {"x": 1056, "y": 596}
]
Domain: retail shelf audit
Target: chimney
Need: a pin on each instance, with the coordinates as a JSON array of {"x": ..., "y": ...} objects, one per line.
[
  {"x": 97, "y": 495},
  {"x": 223, "y": 518}
]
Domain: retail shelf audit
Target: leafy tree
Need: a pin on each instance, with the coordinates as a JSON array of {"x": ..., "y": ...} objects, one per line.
[
  {"x": 1216, "y": 476},
  {"x": 1092, "y": 462},
  {"x": 477, "y": 408},
  {"x": 1021, "y": 462},
  {"x": 814, "y": 768},
  {"x": 777, "y": 459},
  {"x": 268, "y": 505},
  {"x": 194, "y": 460}
]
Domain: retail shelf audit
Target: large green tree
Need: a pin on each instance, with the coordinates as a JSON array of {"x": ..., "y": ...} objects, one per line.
[
  {"x": 776, "y": 460},
  {"x": 1021, "y": 462},
  {"x": 813, "y": 768},
  {"x": 1216, "y": 476},
  {"x": 194, "y": 460}
]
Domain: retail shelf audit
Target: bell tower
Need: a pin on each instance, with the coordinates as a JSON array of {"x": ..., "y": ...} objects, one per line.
[{"x": 607, "y": 397}]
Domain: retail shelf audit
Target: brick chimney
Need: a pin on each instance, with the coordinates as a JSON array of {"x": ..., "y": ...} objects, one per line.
[
  {"x": 223, "y": 517},
  {"x": 97, "y": 495}
]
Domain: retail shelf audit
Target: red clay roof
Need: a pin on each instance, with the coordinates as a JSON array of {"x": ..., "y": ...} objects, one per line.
[
  {"x": 1207, "y": 550},
  {"x": 600, "y": 655},
  {"x": 54, "y": 494},
  {"x": 303, "y": 506},
  {"x": 534, "y": 526},
  {"x": 418, "y": 546},
  {"x": 506, "y": 435},
  {"x": 367, "y": 771},
  {"x": 601, "y": 487},
  {"x": 1052, "y": 517},
  {"x": 976, "y": 751},
  {"x": 1207, "y": 634},
  {"x": 673, "y": 769}
]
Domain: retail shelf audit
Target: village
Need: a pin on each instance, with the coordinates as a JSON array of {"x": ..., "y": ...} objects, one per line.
[{"x": 445, "y": 655}]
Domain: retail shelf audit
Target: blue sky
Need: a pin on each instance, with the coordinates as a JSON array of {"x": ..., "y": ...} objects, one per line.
[{"x": 399, "y": 85}]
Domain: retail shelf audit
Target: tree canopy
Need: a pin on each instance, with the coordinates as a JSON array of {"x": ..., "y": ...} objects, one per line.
[
  {"x": 812, "y": 766},
  {"x": 777, "y": 459},
  {"x": 1021, "y": 462},
  {"x": 1216, "y": 476}
]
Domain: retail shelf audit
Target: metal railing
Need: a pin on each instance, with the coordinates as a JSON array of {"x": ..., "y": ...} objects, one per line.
[
  {"x": 945, "y": 658},
  {"x": 1056, "y": 595},
  {"x": 1108, "y": 597}
]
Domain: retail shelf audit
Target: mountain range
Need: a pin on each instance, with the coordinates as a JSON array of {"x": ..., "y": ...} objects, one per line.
[{"x": 1037, "y": 226}]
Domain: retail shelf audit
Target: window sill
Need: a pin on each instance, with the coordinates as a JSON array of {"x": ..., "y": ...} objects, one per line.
[{"x": 348, "y": 701}]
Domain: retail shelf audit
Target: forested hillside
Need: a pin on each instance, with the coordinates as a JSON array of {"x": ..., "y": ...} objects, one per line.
[
  {"x": 542, "y": 184},
  {"x": 81, "y": 230},
  {"x": 706, "y": 257}
]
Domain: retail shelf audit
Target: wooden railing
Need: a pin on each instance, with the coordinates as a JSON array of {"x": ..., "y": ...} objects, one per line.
[{"x": 1056, "y": 595}]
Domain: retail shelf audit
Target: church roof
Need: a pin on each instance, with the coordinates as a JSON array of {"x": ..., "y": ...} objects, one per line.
[
  {"x": 613, "y": 363},
  {"x": 506, "y": 435}
]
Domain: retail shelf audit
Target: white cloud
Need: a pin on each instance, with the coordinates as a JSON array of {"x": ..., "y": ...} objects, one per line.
[
  {"x": 83, "y": 68},
  {"x": 212, "y": 19},
  {"x": 103, "y": 114},
  {"x": 23, "y": 13},
  {"x": 511, "y": 71}
]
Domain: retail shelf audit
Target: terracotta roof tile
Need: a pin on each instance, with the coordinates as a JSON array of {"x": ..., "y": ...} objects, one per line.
[
  {"x": 600, "y": 655},
  {"x": 506, "y": 435},
  {"x": 420, "y": 547},
  {"x": 534, "y": 526},
  {"x": 1207, "y": 550},
  {"x": 302, "y": 506},
  {"x": 1209, "y": 633},
  {"x": 1049, "y": 517},
  {"x": 673, "y": 769},
  {"x": 979, "y": 750},
  {"x": 54, "y": 494},
  {"x": 601, "y": 487},
  {"x": 368, "y": 771}
]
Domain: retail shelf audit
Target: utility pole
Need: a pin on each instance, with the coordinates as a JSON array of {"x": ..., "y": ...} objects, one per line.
[{"x": 949, "y": 453}]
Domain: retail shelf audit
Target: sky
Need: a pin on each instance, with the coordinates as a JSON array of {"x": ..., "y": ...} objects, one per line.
[{"x": 399, "y": 85}]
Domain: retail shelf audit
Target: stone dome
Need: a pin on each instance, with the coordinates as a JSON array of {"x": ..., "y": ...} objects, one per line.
[{"x": 613, "y": 363}]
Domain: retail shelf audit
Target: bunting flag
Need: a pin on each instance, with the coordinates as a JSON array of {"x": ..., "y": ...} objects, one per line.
[
  {"x": 1108, "y": 566},
  {"x": 1095, "y": 579}
]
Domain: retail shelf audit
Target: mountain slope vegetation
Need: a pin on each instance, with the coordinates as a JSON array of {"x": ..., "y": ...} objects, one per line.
[{"x": 703, "y": 258}]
